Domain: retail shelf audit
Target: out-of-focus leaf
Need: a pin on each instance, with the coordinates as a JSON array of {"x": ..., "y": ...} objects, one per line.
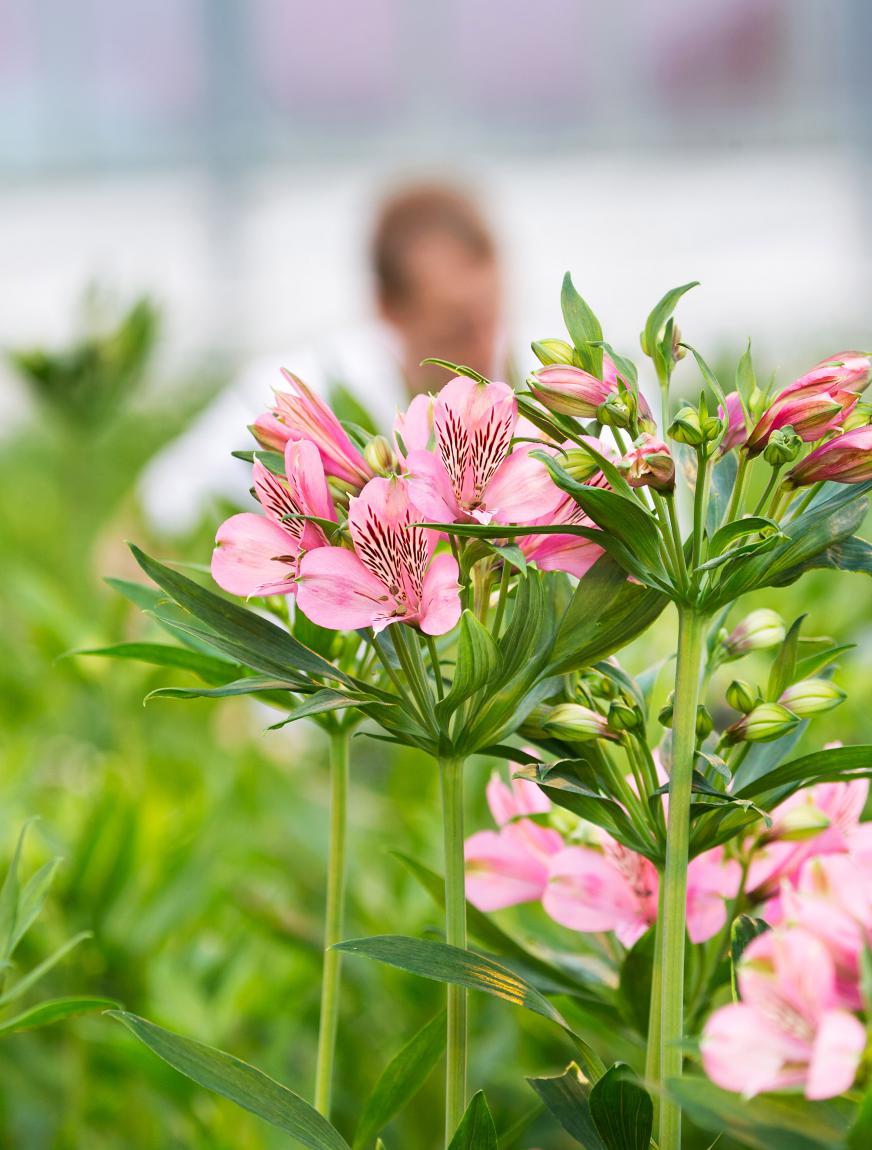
[
  {"x": 567, "y": 1097},
  {"x": 744, "y": 930},
  {"x": 635, "y": 981},
  {"x": 784, "y": 665},
  {"x": 401, "y": 1080},
  {"x": 767, "y": 1122},
  {"x": 54, "y": 1010},
  {"x": 208, "y": 667},
  {"x": 243, "y": 1084},
  {"x": 860, "y": 1134},
  {"x": 37, "y": 972},
  {"x": 32, "y": 898},
  {"x": 9, "y": 895},
  {"x": 622, "y": 1109},
  {"x": 476, "y": 1130}
]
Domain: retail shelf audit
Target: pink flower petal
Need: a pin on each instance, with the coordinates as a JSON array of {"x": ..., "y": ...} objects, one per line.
[
  {"x": 522, "y": 489},
  {"x": 246, "y": 559},
  {"x": 836, "y": 1054},
  {"x": 440, "y": 597},
  {"x": 336, "y": 590},
  {"x": 500, "y": 872},
  {"x": 587, "y": 893}
]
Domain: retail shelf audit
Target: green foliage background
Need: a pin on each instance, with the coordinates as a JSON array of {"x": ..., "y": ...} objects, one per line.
[{"x": 193, "y": 843}]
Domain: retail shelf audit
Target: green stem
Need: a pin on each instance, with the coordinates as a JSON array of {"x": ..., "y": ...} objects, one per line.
[
  {"x": 451, "y": 775},
  {"x": 652, "y": 1053},
  {"x": 735, "y": 507},
  {"x": 435, "y": 664},
  {"x": 334, "y": 919},
  {"x": 700, "y": 504},
  {"x": 505, "y": 576},
  {"x": 676, "y": 537},
  {"x": 672, "y": 952},
  {"x": 770, "y": 487}
]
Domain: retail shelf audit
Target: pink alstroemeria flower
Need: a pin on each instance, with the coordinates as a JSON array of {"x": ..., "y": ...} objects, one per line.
[
  {"x": 832, "y": 898},
  {"x": 391, "y": 576},
  {"x": 413, "y": 428},
  {"x": 474, "y": 475},
  {"x": 569, "y": 390},
  {"x": 789, "y": 1029},
  {"x": 649, "y": 463},
  {"x": 300, "y": 414},
  {"x": 616, "y": 890},
  {"x": 260, "y": 554},
  {"x": 510, "y": 866},
  {"x": 819, "y": 820}
]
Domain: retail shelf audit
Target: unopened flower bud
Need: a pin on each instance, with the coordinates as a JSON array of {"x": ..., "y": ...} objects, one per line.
[
  {"x": 549, "y": 351},
  {"x": 704, "y": 722},
  {"x": 686, "y": 427},
  {"x": 581, "y": 465},
  {"x": 734, "y": 416},
  {"x": 802, "y": 822},
  {"x": 617, "y": 411},
  {"x": 758, "y": 631},
  {"x": 649, "y": 464},
  {"x": 783, "y": 447},
  {"x": 665, "y": 715},
  {"x": 811, "y": 697},
  {"x": 766, "y": 722},
  {"x": 678, "y": 352},
  {"x": 623, "y": 717},
  {"x": 742, "y": 696},
  {"x": 576, "y": 724},
  {"x": 379, "y": 456},
  {"x": 846, "y": 459}
]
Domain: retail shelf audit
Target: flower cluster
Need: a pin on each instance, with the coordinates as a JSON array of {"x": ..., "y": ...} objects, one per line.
[
  {"x": 596, "y": 886},
  {"x": 799, "y": 983}
]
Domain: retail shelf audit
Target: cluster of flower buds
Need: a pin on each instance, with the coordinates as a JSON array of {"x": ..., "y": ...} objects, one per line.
[
  {"x": 762, "y": 722},
  {"x": 566, "y": 389},
  {"x": 573, "y": 723},
  {"x": 695, "y": 428},
  {"x": 815, "y": 404}
]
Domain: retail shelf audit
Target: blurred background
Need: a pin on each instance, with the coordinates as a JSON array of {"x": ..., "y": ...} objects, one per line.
[{"x": 188, "y": 190}]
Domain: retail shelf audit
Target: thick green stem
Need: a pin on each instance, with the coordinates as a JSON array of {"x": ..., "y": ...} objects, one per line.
[
  {"x": 334, "y": 920},
  {"x": 652, "y": 1053},
  {"x": 674, "y": 904},
  {"x": 734, "y": 510},
  {"x": 451, "y": 774}
]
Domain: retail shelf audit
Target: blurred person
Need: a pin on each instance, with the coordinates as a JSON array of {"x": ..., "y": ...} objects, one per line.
[{"x": 437, "y": 283}]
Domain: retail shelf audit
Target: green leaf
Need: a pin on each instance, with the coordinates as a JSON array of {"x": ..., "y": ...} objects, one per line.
[
  {"x": 746, "y": 377},
  {"x": 660, "y": 313},
  {"x": 273, "y": 461},
  {"x": 635, "y": 982},
  {"x": 722, "y": 483},
  {"x": 767, "y": 1122},
  {"x": 606, "y": 612},
  {"x": 860, "y": 1134},
  {"x": 826, "y": 766},
  {"x": 53, "y": 1010},
  {"x": 243, "y": 1084},
  {"x": 33, "y": 976},
  {"x": 451, "y": 964},
  {"x": 565, "y": 784},
  {"x": 477, "y": 659},
  {"x": 783, "y": 669},
  {"x": 626, "y": 368},
  {"x": 455, "y": 368},
  {"x": 711, "y": 380},
  {"x": 401, "y": 1080},
  {"x": 258, "y": 643},
  {"x": 476, "y": 1130},
  {"x": 327, "y": 700},
  {"x": 738, "y": 529},
  {"x": 208, "y": 667},
  {"x": 32, "y": 899},
  {"x": 567, "y": 1097},
  {"x": 583, "y": 327},
  {"x": 248, "y": 685},
  {"x": 544, "y": 975},
  {"x": 743, "y": 931},
  {"x": 9, "y": 895},
  {"x": 622, "y": 1110}
]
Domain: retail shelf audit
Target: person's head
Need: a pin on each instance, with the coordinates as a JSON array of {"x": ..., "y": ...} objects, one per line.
[{"x": 438, "y": 281}]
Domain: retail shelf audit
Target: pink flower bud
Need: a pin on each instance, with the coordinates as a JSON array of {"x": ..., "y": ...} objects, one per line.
[
  {"x": 811, "y": 415},
  {"x": 650, "y": 464},
  {"x": 736, "y": 433},
  {"x": 846, "y": 459},
  {"x": 844, "y": 371},
  {"x": 568, "y": 390}
]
